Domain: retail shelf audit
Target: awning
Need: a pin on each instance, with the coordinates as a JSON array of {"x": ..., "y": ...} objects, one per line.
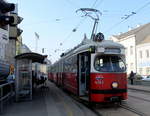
[{"x": 35, "y": 57}]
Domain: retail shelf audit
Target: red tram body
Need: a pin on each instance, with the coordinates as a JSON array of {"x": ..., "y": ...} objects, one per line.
[{"x": 94, "y": 71}]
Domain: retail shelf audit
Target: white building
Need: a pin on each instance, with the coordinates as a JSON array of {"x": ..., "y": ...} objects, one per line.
[
  {"x": 143, "y": 60},
  {"x": 135, "y": 41}
]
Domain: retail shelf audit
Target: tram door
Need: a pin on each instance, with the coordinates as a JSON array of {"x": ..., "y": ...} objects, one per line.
[{"x": 84, "y": 73}]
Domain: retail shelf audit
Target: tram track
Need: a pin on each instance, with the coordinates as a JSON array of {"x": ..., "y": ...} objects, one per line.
[
  {"x": 85, "y": 103},
  {"x": 139, "y": 98},
  {"x": 134, "y": 110},
  {"x": 80, "y": 102},
  {"x": 126, "y": 107},
  {"x": 97, "y": 111},
  {"x": 139, "y": 90},
  {"x": 100, "y": 112}
]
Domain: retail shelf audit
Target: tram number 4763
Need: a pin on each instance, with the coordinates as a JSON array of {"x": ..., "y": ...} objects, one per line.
[{"x": 99, "y": 80}]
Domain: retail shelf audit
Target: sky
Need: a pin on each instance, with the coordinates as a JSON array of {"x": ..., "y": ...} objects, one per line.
[{"x": 54, "y": 21}]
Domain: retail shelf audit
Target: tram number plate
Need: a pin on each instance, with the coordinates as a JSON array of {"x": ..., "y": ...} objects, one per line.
[{"x": 99, "y": 80}]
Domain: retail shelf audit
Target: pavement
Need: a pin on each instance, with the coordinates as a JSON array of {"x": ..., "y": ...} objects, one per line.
[
  {"x": 139, "y": 87},
  {"x": 50, "y": 101}
]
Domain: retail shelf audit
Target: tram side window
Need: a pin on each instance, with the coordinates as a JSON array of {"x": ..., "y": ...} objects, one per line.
[
  {"x": 67, "y": 65},
  {"x": 74, "y": 64},
  {"x": 70, "y": 65},
  {"x": 64, "y": 67}
]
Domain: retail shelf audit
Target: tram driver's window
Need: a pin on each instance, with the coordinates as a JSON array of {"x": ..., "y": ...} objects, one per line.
[
  {"x": 101, "y": 62},
  {"x": 98, "y": 63}
]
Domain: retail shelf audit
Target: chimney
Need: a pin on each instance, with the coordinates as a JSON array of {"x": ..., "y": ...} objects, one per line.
[
  {"x": 138, "y": 25},
  {"x": 129, "y": 28}
]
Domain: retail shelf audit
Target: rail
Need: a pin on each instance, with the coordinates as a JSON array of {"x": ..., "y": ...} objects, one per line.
[
  {"x": 6, "y": 93},
  {"x": 133, "y": 110}
]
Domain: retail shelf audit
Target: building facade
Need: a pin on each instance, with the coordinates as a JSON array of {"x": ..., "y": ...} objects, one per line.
[
  {"x": 4, "y": 40},
  {"x": 134, "y": 41},
  {"x": 143, "y": 60},
  {"x": 5, "y": 21},
  {"x": 14, "y": 34}
]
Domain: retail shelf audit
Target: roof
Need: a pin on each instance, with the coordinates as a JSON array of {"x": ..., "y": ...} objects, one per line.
[
  {"x": 131, "y": 32},
  {"x": 146, "y": 40},
  {"x": 35, "y": 57},
  {"x": 86, "y": 44}
]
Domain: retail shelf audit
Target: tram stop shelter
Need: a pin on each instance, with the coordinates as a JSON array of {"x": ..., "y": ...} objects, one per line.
[{"x": 23, "y": 81}]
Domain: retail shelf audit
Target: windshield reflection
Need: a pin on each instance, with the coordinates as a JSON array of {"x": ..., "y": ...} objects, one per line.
[{"x": 109, "y": 64}]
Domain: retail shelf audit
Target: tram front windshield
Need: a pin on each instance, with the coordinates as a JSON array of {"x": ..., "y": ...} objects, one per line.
[{"x": 109, "y": 64}]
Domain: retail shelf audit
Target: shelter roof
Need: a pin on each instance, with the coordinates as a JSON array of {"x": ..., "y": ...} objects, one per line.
[{"x": 35, "y": 57}]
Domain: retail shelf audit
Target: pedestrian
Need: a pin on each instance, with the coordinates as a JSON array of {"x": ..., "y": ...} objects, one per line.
[
  {"x": 131, "y": 77},
  {"x": 11, "y": 78}
]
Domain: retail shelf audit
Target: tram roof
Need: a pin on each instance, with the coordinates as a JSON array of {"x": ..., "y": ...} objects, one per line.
[
  {"x": 86, "y": 44},
  {"x": 35, "y": 57}
]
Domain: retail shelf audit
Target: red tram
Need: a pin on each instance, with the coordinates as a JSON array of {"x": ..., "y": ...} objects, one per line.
[{"x": 94, "y": 71}]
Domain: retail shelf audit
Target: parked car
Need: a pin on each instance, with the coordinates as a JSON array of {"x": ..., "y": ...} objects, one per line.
[
  {"x": 138, "y": 77},
  {"x": 147, "y": 78}
]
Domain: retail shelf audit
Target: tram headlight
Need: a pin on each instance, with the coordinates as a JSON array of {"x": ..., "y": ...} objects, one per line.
[{"x": 114, "y": 85}]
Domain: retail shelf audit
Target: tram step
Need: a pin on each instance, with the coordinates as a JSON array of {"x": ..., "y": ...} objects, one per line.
[{"x": 84, "y": 98}]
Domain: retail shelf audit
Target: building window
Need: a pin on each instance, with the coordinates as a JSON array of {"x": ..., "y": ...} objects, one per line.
[
  {"x": 140, "y": 71},
  {"x": 148, "y": 71},
  {"x": 140, "y": 53},
  {"x": 147, "y": 53},
  {"x": 131, "y": 66},
  {"x": 131, "y": 50},
  {"x": 126, "y": 51}
]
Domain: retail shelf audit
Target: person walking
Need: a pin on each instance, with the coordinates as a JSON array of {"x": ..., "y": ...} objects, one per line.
[{"x": 131, "y": 77}]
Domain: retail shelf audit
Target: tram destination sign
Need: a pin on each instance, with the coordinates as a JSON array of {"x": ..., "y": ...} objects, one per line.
[{"x": 112, "y": 50}]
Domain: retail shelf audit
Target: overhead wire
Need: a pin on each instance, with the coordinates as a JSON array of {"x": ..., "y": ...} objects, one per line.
[
  {"x": 72, "y": 3},
  {"x": 141, "y": 8},
  {"x": 94, "y": 3},
  {"x": 74, "y": 30},
  {"x": 76, "y": 27},
  {"x": 79, "y": 24},
  {"x": 57, "y": 20},
  {"x": 127, "y": 17},
  {"x": 99, "y": 3}
]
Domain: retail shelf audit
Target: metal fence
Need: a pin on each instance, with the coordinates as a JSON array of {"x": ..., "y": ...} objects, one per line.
[{"x": 6, "y": 93}]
